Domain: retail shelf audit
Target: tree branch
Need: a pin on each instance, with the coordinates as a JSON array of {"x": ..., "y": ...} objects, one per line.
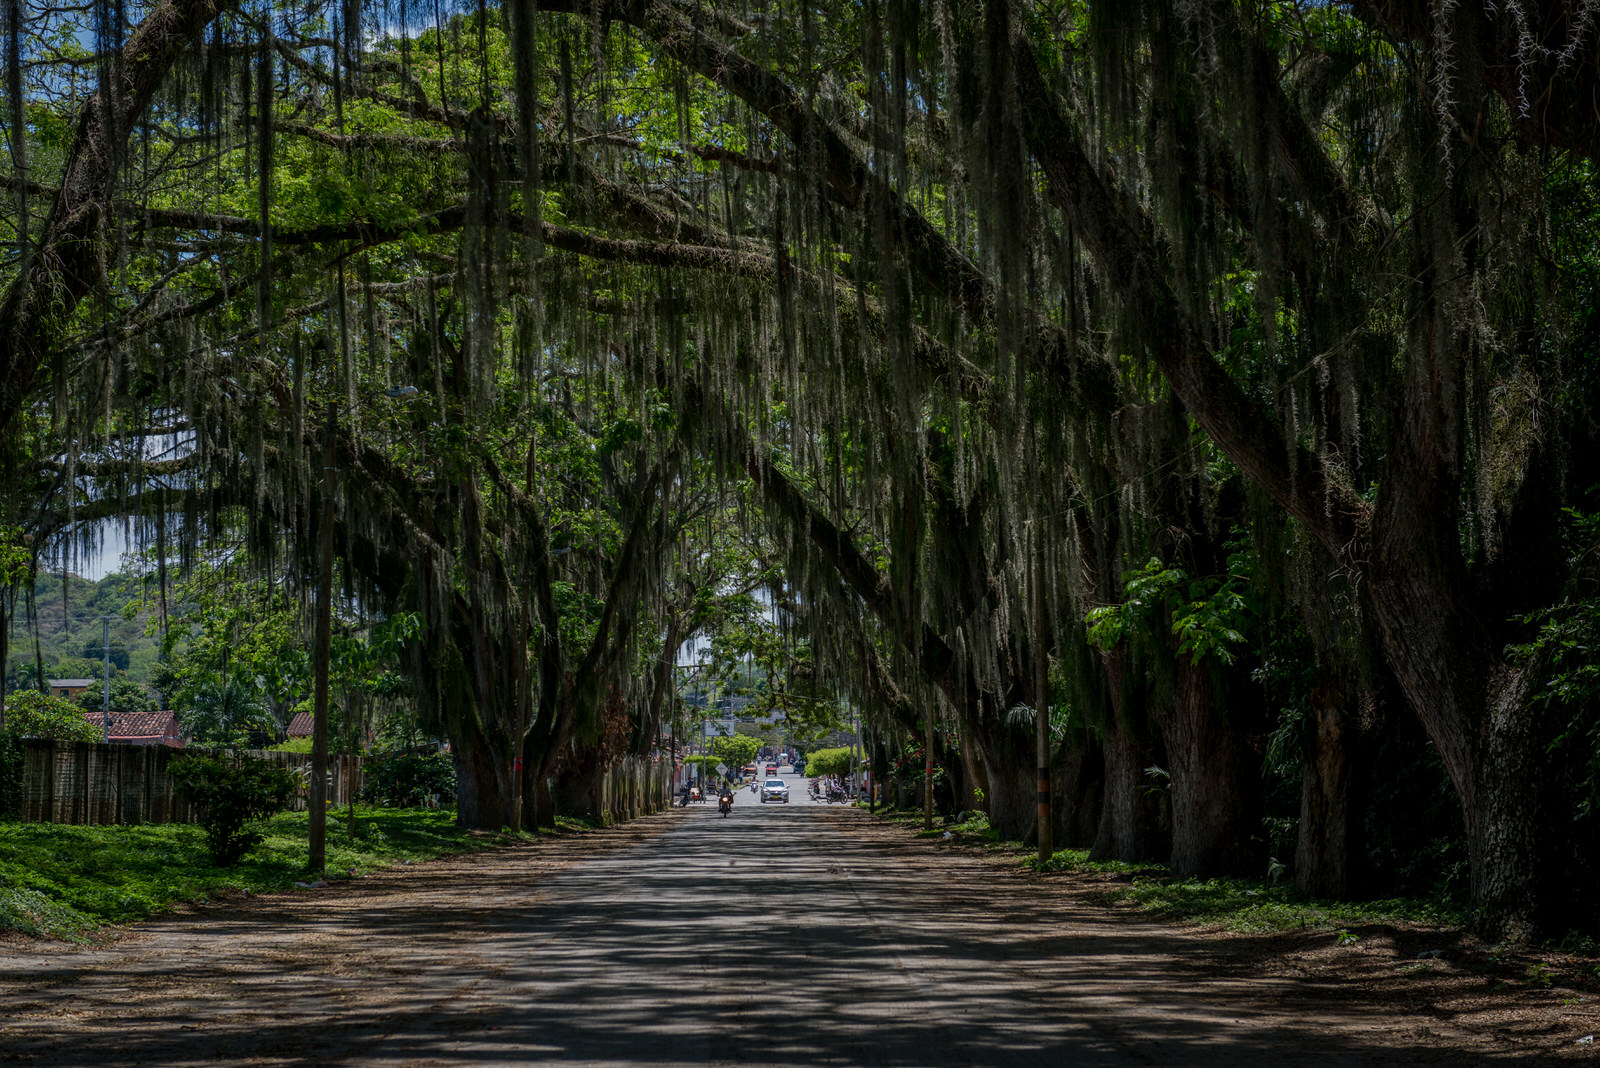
[{"x": 67, "y": 263}]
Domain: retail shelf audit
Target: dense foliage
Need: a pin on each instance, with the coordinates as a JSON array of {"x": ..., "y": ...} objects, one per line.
[
  {"x": 407, "y": 778},
  {"x": 31, "y": 714}
]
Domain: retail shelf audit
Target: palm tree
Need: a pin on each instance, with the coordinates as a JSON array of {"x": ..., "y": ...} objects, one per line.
[{"x": 223, "y": 709}]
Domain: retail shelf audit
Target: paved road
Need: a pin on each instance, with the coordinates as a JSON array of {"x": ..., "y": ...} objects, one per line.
[{"x": 781, "y": 935}]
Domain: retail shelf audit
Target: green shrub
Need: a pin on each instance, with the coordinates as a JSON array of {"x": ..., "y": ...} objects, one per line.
[
  {"x": 409, "y": 778},
  {"x": 229, "y": 794},
  {"x": 31, "y": 714}
]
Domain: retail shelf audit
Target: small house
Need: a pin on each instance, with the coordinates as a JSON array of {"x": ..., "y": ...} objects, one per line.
[{"x": 71, "y": 687}]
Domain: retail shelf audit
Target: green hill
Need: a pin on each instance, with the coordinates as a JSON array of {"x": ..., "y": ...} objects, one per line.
[{"x": 69, "y": 613}]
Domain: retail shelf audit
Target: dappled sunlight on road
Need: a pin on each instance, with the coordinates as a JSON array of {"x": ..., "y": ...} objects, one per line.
[{"x": 792, "y": 935}]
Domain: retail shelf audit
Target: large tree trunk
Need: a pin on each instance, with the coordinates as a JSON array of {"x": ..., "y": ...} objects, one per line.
[
  {"x": 1494, "y": 761},
  {"x": 1216, "y": 803},
  {"x": 483, "y": 787},
  {"x": 539, "y": 810},
  {"x": 1076, "y": 781},
  {"x": 1013, "y": 811},
  {"x": 1512, "y": 829},
  {"x": 1324, "y": 861},
  {"x": 661, "y": 687},
  {"x": 1478, "y": 713},
  {"x": 1133, "y": 824},
  {"x": 974, "y": 773},
  {"x": 576, "y": 780},
  {"x": 1012, "y": 793}
]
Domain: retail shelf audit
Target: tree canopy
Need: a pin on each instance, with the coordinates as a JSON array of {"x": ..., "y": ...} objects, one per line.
[{"x": 1218, "y": 374}]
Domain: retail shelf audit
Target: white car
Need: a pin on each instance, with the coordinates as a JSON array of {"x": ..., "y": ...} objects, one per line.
[{"x": 775, "y": 790}]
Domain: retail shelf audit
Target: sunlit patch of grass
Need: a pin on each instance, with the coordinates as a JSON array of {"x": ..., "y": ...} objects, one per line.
[
  {"x": 62, "y": 881},
  {"x": 972, "y": 829},
  {"x": 1078, "y": 860},
  {"x": 1248, "y": 906},
  {"x": 32, "y": 913}
]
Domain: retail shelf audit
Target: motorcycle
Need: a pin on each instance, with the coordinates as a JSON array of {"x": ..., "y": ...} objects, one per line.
[{"x": 725, "y": 802}]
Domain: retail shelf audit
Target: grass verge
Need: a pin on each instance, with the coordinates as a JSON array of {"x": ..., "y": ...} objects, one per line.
[
  {"x": 64, "y": 881},
  {"x": 1241, "y": 905},
  {"x": 1246, "y": 906}
]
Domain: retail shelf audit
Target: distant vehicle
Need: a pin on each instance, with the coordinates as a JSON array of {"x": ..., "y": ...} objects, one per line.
[
  {"x": 775, "y": 790},
  {"x": 799, "y": 767},
  {"x": 772, "y": 769}
]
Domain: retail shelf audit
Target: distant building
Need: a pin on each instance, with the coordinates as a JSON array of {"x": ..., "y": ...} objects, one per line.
[
  {"x": 142, "y": 728},
  {"x": 300, "y": 725},
  {"x": 71, "y": 687}
]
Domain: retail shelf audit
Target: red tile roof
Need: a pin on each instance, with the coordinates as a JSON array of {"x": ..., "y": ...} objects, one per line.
[
  {"x": 300, "y": 725},
  {"x": 140, "y": 726},
  {"x": 146, "y": 723}
]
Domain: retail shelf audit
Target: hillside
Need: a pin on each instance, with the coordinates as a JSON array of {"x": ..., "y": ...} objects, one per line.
[{"x": 69, "y": 629}]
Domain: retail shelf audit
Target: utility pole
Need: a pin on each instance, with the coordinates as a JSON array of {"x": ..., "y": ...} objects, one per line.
[{"x": 105, "y": 677}]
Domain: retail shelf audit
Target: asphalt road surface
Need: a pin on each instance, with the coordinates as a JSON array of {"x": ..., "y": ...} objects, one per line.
[{"x": 779, "y": 935}]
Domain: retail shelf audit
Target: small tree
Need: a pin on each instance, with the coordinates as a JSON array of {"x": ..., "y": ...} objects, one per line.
[
  {"x": 223, "y": 709},
  {"x": 127, "y": 698},
  {"x": 230, "y": 795},
  {"x": 829, "y": 762},
  {"x": 31, "y": 714},
  {"x": 735, "y": 751}
]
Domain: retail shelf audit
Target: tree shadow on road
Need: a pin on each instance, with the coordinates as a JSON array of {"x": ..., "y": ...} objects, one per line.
[{"x": 794, "y": 937}]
